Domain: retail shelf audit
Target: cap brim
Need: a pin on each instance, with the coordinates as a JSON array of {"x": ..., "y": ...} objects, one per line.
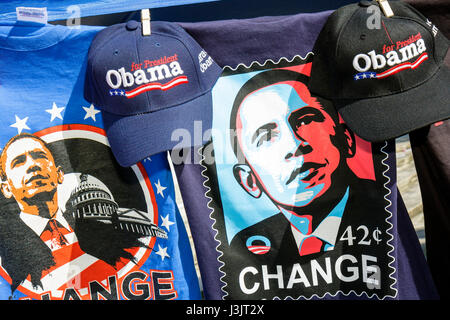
[
  {"x": 388, "y": 117},
  {"x": 134, "y": 138}
]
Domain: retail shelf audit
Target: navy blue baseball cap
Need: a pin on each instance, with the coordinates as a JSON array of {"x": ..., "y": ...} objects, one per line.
[{"x": 150, "y": 89}]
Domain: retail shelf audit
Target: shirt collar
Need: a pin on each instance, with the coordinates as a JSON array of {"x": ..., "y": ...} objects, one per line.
[
  {"x": 326, "y": 231},
  {"x": 38, "y": 223}
]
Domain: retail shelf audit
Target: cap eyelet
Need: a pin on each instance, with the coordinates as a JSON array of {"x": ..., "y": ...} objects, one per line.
[{"x": 116, "y": 52}]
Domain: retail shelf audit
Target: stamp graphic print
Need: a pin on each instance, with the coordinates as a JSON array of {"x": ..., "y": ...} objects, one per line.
[{"x": 301, "y": 209}]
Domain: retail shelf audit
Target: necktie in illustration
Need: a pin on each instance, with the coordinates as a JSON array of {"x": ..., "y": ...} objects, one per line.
[{"x": 54, "y": 234}]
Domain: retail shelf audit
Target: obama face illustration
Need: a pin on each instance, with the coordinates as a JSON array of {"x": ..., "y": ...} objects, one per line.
[{"x": 293, "y": 149}]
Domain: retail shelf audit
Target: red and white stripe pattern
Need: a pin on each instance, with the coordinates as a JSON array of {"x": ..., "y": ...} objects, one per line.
[
  {"x": 149, "y": 87},
  {"x": 76, "y": 269},
  {"x": 259, "y": 249},
  {"x": 403, "y": 66}
]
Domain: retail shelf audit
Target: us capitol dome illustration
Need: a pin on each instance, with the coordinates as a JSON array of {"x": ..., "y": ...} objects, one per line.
[{"x": 90, "y": 200}]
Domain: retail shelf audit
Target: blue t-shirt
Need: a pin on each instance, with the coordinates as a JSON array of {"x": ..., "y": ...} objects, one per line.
[
  {"x": 118, "y": 232},
  {"x": 70, "y": 9}
]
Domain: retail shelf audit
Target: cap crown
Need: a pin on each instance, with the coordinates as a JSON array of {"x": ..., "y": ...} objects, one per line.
[
  {"x": 129, "y": 74},
  {"x": 355, "y": 57}
]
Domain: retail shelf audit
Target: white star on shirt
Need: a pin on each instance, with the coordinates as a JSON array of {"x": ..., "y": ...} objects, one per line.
[
  {"x": 160, "y": 188},
  {"x": 166, "y": 222},
  {"x": 162, "y": 252},
  {"x": 90, "y": 112},
  {"x": 55, "y": 112},
  {"x": 20, "y": 124}
]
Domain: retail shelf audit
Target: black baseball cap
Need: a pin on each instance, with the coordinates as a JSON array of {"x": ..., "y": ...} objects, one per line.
[{"x": 385, "y": 77}]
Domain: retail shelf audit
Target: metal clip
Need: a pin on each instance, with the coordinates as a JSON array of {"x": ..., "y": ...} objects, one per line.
[
  {"x": 386, "y": 8},
  {"x": 145, "y": 22}
]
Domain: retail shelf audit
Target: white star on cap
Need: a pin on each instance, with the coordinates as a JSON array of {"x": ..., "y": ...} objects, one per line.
[
  {"x": 160, "y": 188},
  {"x": 90, "y": 112},
  {"x": 166, "y": 222},
  {"x": 162, "y": 252},
  {"x": 20, "y": 124},
  {"x": 55, "y": 112}
]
